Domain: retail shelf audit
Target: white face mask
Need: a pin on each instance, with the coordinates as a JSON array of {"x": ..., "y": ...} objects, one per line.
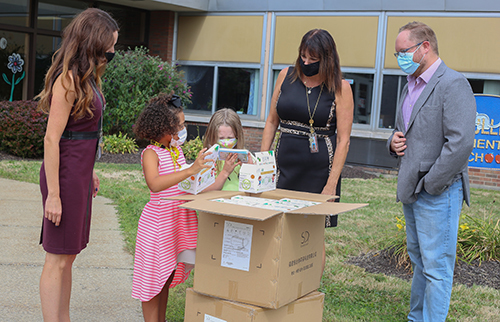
[{"x": 182, "y": 134}]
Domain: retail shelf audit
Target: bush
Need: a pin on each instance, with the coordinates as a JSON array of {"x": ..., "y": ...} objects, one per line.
[
  {"x": 192, "y": 147},
  {"x": 131, "y": 79},
  {"x": 118, "y": 144},
  {"x": 478, "y": 239},
  {"x": 22, "y": 128}
]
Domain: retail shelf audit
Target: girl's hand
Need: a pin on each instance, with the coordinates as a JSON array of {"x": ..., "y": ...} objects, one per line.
[
  {"x": 201, "y": 163},
  {"x": 231, "y": 163},
  {"x": 96, "y": 182},
  {"x": 250, "y": 159},
  {"x": 53, "y": 209}
]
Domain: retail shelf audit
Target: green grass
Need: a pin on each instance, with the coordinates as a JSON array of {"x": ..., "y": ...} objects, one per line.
[{"x": 352, "y": 294}]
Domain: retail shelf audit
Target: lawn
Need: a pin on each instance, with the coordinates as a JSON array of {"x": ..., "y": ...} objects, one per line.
[{"x": 351, "y": 293}]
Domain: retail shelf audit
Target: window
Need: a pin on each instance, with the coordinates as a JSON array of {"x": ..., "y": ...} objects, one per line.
[
  {"x": 132, "y": 23},
  {"x": 46, "y": 46},
  {"x": 481, "y": 86},
  {"x": 235, "y": 87},
  {"x": 362, "y": 91},
  {"x": 13, "y": 65},
  {"x": 201, "y": 80},
  {"x": 57, "y": 14},
  {"x": 391, "y": 92},
  {"x": 14, "y": 12},
  {"x": 238, "y": 89}
]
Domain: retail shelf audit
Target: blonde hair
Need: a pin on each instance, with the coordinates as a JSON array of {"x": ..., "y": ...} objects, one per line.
[
  {"x": 226, "y": 117},
  {"x": 419, "y": 32},
  {"x": 84, "y": 43}
]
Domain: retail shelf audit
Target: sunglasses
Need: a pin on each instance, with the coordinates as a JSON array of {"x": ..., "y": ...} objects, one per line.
[{"x": 176, "y": 101}]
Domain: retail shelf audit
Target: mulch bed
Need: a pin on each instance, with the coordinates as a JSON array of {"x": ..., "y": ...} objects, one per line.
[{"x": 484, "y": 274}]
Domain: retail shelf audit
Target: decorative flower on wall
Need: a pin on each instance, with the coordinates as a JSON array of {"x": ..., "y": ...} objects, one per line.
[
  {"x": 16, "y": 66},
  {"x": 3, "y": 43},
  {"x": 15, "y": 63}
]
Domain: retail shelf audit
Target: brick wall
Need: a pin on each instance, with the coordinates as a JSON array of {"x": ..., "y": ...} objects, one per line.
[
  {"x": 484, "y": 178},
  {"x": 161, "y": 34}
]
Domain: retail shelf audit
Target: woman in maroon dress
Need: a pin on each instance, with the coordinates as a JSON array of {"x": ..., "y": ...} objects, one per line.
[{"x": 73, "y": 99}]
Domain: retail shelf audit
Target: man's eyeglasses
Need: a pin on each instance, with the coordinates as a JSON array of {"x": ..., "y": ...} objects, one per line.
[
  {"x": 176, "y": 101},
  {"x": 403, "y": 52}
]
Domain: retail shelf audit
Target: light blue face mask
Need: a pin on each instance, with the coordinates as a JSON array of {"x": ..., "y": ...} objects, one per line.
[
  {"x": 406, "y": 63},
  {"x": 182, "y": 134}
]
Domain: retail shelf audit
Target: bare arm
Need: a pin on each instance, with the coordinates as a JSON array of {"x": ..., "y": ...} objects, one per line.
[
  {"x": 60, "y": 109},
  {"x": 273, "y": 120},
  {"x": 157, "y": 182},
  {"x": 229, "y": 165},
  {"x": 344, "y": 114}
]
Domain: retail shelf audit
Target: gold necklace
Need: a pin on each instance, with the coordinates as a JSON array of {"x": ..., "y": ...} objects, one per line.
[{"x": 311, "y": 116}]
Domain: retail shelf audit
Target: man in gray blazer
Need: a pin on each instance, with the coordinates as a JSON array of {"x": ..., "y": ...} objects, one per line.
[{"x": 433, "y": 139}]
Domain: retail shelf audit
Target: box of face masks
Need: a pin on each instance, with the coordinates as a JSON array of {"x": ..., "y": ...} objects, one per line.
[
  {"x": 198, "y": 182},
  {"x": 259, "y": 176}
]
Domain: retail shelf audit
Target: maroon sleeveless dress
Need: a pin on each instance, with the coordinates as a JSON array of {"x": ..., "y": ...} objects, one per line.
[{"x": 76, "y": 163}]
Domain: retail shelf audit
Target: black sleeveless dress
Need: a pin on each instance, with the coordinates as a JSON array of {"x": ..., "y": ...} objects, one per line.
[{"x": 298, "y": 168}]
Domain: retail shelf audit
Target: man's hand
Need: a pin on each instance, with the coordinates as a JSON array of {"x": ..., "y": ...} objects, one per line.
[{"x": 398, "y": 143}]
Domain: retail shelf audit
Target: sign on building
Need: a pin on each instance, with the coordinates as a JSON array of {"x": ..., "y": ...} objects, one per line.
[{"x": 486, "y": 152}]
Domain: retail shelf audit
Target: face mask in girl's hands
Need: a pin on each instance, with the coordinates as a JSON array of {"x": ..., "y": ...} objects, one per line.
[
  {"x": 182, "y": 134},
  {"x": 227, "y": 143}
]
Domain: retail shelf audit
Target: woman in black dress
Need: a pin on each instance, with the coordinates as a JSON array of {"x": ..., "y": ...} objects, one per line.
[
  {"x": 313, "y": 107},
  {"x": 74, "y": 101}
]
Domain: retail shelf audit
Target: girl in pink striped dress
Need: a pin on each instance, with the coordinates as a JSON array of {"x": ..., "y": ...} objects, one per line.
[{"x": 166, "y": 236}]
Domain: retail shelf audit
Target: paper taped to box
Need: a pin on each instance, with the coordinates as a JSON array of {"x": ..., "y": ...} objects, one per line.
[
  {"x": 206, "y": 177},
  {"x": 259, "y": 176}
]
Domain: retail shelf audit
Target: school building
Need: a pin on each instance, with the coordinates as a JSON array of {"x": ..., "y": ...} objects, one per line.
[{"x": 232, "y": 51}]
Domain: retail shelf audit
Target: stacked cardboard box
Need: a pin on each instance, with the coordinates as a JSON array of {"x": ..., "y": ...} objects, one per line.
[{"x": 263, "y": 257}]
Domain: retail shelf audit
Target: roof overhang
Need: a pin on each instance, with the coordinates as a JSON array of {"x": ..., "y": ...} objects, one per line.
[{"x": 171, "y": 5}]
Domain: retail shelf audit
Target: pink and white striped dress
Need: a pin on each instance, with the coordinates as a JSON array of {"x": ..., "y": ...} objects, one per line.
[{"x": 164, "y": 231}]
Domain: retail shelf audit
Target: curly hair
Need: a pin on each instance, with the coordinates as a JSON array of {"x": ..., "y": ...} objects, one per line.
[{"x": 159, "y": 118}]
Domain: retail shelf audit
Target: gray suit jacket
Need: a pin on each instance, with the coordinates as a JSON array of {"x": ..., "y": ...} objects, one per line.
[{"x": 439, "y": 138}]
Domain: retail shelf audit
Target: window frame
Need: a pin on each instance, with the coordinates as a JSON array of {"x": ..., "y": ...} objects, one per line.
[{"x": 216, "y": 66}]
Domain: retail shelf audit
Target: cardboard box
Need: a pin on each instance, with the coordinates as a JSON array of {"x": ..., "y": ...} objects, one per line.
[
  {"x": 263, "y": 257},
  {"x": 259, "y": 176},
  {"x": 201, "y": 308},
  {"x": 198, "y": 182}
]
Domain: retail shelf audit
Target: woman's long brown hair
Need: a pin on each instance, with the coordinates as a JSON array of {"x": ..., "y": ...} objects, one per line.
[
  {"x": 84, "y": 43},
  {"x": 320, "y": 44}
]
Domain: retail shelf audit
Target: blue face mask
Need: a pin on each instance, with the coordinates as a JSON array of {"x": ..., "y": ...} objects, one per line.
[
  {"x": 182, "y": 134},
  {"x": 407, "y": 64}
]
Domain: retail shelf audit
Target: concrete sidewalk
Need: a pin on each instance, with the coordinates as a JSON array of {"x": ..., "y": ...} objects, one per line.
[{"x": 102, "y": 273}]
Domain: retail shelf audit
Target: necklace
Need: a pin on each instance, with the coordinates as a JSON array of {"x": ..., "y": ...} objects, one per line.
[
  {"x": 311, "y": 115},
  {"x": 313, "y": 139},
  {"x": 174, "y": 152}
]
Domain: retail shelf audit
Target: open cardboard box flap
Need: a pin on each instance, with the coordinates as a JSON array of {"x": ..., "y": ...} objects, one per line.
[
  {"x": 273, "y": 194},
  {"x": 203, "y": 202}
]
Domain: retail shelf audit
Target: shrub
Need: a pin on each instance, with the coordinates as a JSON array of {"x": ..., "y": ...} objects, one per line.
[
  {"x": 192, "y": 147},
  {"x": 131, "y": 79},
  {"x": 479, "y": 238},
  {"x": 22, "y": 128},
  {"x": 119, "y": 144}
]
